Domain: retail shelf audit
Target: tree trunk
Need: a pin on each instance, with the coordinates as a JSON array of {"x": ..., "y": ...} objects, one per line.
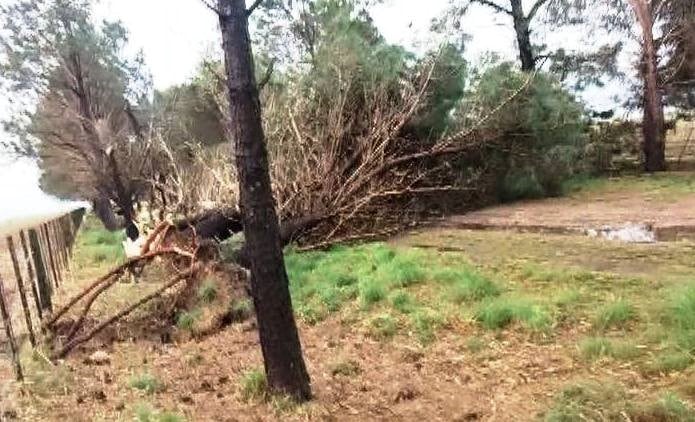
[
  {"x": 653, "y": 120},
  {"x": 523, "y": 37},
  {"x": 284, "y": 364},
  {"x": 102, "y": 209}
]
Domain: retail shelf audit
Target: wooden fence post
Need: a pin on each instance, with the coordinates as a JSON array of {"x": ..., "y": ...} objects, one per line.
[
  {"x": 30, "y": 272},
  {"x": 57, "y": 256},
  {"x": 49, "y": 254},
  {"x": 7, "y": 322},
  {"x": 42, "y": 281},
  {"x": 22, "y": 291},
  {"x": 62, "y": 243}
]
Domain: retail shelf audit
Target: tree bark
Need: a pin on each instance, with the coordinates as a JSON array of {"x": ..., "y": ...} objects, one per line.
[
  {"x": 284, "y": 364},
  {"x": 523, "y": 36},
  {"x": 653, "y": 120},
  {"x": 102, "y": 209}
]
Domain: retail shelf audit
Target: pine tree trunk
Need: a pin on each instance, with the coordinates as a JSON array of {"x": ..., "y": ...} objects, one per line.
[
  {"x": 523, "y": 37},
  {"x": 284, "y": 364},
  {"x": 653, "y": 120}
]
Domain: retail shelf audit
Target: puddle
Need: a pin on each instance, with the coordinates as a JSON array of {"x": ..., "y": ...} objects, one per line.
[{"x": 628, "y": 233}]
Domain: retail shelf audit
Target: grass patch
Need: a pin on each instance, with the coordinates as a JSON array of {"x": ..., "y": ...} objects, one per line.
[
  {"x": 382, "y": 327},
  {"x": 371, "y": 292},
  {"x": 498, "y": 313},
  {"x": 679, "y": 317},
  {"x": 424, "y": 324},
  {"x": 186, "y": 320},
  {"x": 466, "y": 285},
  {"x": 595, "y": 348},
  {"x": 403, "y": 302},
  {"x": 607, "y": 402},
  {"x": 475, "y": 344},
  {"x": 241, "y": 309},
  {"x": 346, "y": 368},
  {"x": 673, "y": 361},
  {"x": 146, "y": 413},
  {"x": 615, "y": 315},
  {"x": 207, "y": 292},
  {"x": 147, "y": 383},
  {"x": 254, "y": 385}
]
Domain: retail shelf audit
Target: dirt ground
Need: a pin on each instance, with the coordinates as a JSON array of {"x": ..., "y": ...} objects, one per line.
[{"x": 662, "y": 202}]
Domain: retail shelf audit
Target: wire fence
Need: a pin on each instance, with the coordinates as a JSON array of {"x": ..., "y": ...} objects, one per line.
[{"x": 34, "y": 262}]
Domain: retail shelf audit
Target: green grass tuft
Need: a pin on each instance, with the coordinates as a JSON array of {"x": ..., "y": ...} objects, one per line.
[
  {"x": 468, "y": 285},
  {"x": 615, "y": 315},
  {"x": 186, "y": 320},
  {"x": 673, "y": 361},
  {"x": 207, "y": 292},
  {"x": 147, "y": 383},
  {"x": 500, "y": 312},
  {"x": 346, "y": 368},
  {"x": 254, "y": 385},
  {"x": 403, "y": 302},
  {"x": 594, "y": 348},
  {"x": 424, "y": 325},
  {"x": 382, "y": 327},
  {"x": 371, "y": 291}
]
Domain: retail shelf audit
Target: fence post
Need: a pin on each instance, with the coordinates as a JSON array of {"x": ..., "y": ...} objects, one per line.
[
  {"x": 49, "y": 254},
  {"x": 57, "y": 257},
  {"x": 22, "y": 292},
  {"x": 62, "y": 244},
  {"x": 42, "y": 281},
  {"x": 6, "y": 321},
  {"x": 30, "y": 272}
]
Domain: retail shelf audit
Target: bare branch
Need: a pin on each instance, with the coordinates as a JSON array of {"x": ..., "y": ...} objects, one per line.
[
  {"x": 494, "y": 5},
  {"x": 253, "y": 7},
  {"x": 211, "y": 7},
  {"x": 266, "y": 77},
  {"x": 535, "y": 8}
]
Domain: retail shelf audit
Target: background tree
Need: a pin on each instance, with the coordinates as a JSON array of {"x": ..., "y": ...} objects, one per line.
[
  {"x": 282, "y": 353},
  {"x": 84, "y": 123}
]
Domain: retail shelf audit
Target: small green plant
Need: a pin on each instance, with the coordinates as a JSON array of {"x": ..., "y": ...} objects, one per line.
[
  {"x": 254, "y": 385},
  {"x": 615, "y": 315},
  {"x": 147, "y": 383},
  {"x": 186, "y": 320},
  {"x": 668, "y": 408},
  {"x": 207, "y": 292},
  {"x": 382, "y": 327}
]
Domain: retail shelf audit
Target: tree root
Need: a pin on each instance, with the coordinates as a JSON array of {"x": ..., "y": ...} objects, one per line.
[{"x": 186, "y": 275}]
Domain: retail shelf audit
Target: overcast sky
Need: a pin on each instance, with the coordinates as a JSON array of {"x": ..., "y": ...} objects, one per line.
[{"x": 174, "y": 34}]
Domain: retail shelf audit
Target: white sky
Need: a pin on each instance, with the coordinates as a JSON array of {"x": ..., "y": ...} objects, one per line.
[{"x": 174, "y": 34}]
